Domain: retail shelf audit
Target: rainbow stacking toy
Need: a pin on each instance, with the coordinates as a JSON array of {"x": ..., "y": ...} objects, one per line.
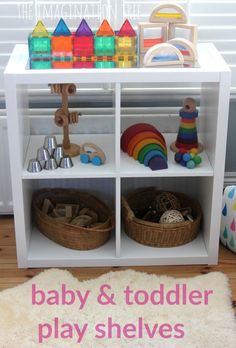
[
  {"x": 146, "y": 144},
  {"x": 187, "y": 138},
  {"x": 63, "y": 49}
]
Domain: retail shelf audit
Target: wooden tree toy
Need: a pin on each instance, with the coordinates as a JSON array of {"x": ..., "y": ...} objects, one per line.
[
  {"x": 187, "y": 138},
  {"x": 63, "y": 117}
]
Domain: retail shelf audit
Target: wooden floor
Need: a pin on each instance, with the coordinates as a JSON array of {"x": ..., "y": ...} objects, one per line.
[{"x": 10, "y": 275}]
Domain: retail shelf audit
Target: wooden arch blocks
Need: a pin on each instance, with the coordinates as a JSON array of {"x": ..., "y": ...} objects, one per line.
[
  {"x": 165, "y": 23},
  {"x": 145, "y": 144}
]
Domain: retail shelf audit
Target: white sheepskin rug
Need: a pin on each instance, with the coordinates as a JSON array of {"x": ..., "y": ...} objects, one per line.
[{"x": 35, "y": 314}]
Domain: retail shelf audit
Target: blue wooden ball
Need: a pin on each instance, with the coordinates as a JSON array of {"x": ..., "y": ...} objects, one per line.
[
  {"x": 178, "y": 157},
  {"x": 191, "y": 164},
  {"x": 187, "y": 157}
]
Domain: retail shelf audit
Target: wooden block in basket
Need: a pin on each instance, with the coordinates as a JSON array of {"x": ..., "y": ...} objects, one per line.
[{"x": 65, "y": 234}]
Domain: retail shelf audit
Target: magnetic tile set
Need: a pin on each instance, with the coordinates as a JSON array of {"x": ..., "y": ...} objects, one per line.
[{"x": 156, "y": 43}]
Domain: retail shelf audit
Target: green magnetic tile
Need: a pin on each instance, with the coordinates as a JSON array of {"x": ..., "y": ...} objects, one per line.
[
  {"x": 62, "y": 59},
  {"x": 104, "y": 46},
  {"x": 40, "y": 64},
  {"x": 39, "y": 44},
  {"x": 105, "y": 65},
  {"x": 40, "y": 56}
]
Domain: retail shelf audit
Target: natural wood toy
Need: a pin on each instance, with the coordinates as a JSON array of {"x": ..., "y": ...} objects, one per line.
[
  {"x": 187, "y": 49},
  {"x": 187, "y": 138},
  {"x": 146, "y": 42},
  {"x": 166, "y": 201},
  {"x": 146, "y": 144},
  {"x": 64, "y": 118},
  {"x": 188, "y": 159},
  {"x": 163, "y": 54},
  {"x": 190, "y": 31},
  {"x": 134, "y": 130},
  {"x": 168, "y": 13},
  {"x": 96, "y": 156},
  {"x": 171, "y": 217}
]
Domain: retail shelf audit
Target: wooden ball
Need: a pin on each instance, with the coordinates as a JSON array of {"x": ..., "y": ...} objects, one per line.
[
  {"x": 166, "y": 201},
  {"x": 171, "y": 217}
]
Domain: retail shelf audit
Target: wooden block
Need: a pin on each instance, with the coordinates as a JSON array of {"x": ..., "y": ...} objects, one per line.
[
  {"x": 186, "y": 47},
  {"x": 71, "y": 210},
  {"x": 191, "y": 31},
  {"x": 82, "y": 221},
  {"x": 133, "y": 130},
  {"x": 62, "y": 219},
  {"x": 91, "y": 213},
  {"x": 168, "y": 13},
  {"x": 47, "y": 206},
  {"x": 152, "y": 41},
  {"x": 163, "y": 55}
]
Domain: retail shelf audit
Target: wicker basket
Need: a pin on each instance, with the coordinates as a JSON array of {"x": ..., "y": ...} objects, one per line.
[
  {"x": 156, "y": 234},
  {"x": 70, "y": 236}
]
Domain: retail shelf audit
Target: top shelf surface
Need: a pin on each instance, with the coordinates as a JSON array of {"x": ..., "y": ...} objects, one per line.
[{"x": 211, "y": 64}]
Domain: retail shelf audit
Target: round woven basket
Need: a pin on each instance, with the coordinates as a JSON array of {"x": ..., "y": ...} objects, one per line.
[
  {"x": 65, "y": 234},
  {"x": 156, "y": 234}
]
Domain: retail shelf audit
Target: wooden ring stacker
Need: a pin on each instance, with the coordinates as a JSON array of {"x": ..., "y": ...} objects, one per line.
[{"x": 189, "y": 105}]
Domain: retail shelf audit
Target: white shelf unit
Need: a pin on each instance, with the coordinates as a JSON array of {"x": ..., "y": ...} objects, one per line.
[{"x": 120, "y": 173}]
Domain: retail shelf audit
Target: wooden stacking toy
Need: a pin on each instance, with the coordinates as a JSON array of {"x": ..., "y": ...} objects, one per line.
[
  {"x": 64, "y": 118},
  {"x": 146, "y": 144},
  {"x": 187, "y": 138}
]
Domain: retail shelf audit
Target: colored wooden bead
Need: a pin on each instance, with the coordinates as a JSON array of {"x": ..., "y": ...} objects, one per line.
[
  {"x": 186, "y": 157},
  {"x": 191, "y": 164},
  {"x": 178, "y": 157},
  {"x": 197, "y": 160}
]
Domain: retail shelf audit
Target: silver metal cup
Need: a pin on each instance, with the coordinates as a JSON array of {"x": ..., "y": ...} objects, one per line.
[
  {"x": 42, "y": 156},
  {"x": 66, "y": 162},
  {"x": 50, "y": 143},
  {"x": 58, "y": 154},
  {"x": 34, "y": 166},
  {"x": 51, "y": 164}
]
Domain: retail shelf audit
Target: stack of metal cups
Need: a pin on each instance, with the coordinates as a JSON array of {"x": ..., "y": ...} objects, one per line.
[{"x": 50, "y": 157}]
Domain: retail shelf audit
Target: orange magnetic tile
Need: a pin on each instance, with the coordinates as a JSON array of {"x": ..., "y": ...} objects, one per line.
[
  {"x": 62, "y": 65},
  {"x": 105, "y": 29},
  {"x": 62, "y": 43}
]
